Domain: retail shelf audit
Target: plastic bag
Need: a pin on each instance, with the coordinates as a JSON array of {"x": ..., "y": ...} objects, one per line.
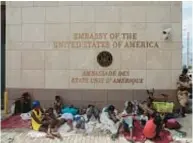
[
  {"x": 26, "y": 116},
  {"x": 12, "y": 108}
]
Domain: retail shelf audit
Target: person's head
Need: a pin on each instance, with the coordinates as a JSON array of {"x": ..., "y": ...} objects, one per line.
[
  {"x": 145, "y": 113},
  {"x": 111, "y": 108},
  {"x": 184, "y": 71},
  {"x": 129, "y": 106},
  {"x": 50, "y": 111},
  {"x": 157, "y": 119},
  {"x": 25, "y": 96},
  {"x": 57, "y": 98},
  {"x": 36, "y": 105},
  {"x": 82, "y": 111},
  {"x": 90, "y": 106},
  {"x": 153, "y": 115}
]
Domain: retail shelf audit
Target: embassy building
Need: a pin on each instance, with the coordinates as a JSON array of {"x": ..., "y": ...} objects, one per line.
[{"x": 100, "y": 52}]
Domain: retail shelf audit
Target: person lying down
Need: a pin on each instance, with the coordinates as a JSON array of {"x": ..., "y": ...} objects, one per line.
[{"x": 41, "y": 122}]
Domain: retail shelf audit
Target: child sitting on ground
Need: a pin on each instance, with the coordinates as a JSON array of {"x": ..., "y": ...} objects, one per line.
[
  {"x": 58, "y": 104},
  {"x": 50, "y": 117},
  {"x": 127, "y": 119},
  {"x": 153, "y": 127},
  {"x": 92, "y": 110},
  {"x": 143, "y": 118}
]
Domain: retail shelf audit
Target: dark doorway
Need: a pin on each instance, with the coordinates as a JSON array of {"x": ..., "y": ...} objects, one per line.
[{"x": 3, "y": 36}]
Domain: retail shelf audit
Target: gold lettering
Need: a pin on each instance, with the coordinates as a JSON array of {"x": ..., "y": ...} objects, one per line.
[
  {"x": 156, "y": 45},
  {"x": 102, "y": 76},
  {"x": 98, "y": 40},
  {"x": 134, "y": 36}
]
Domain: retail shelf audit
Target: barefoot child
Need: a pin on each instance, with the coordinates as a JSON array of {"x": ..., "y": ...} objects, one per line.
[
  {"x": 127, "y": 119},
  {"x": 143, "y": 118}
]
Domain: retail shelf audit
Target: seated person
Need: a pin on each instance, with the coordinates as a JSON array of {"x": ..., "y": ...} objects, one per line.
[
  {"x": 153, "y": 127},
  {"x": 127, "y": 119},
  {"x": 182, "y": 96},
  {"x": 58, "y": 104},
  {"x": 23, "y": 104},
  {"x": 37, "y": 120},
  {"x": 144, "y": 118},
  {"x": 185, "y": 81},
  {"x": 110, "y": 110},
  {"x": 109, "y": 118},
  {"x": 135, "y": 108},
  {"x": 51, "y": 118},
  {"x": 92, "y": 110}
]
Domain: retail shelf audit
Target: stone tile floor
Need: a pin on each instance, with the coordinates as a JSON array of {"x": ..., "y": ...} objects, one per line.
[{"x": 20, "y": 136}]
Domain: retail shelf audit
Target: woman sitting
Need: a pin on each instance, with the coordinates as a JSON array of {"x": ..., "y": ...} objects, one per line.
[
  {"x": 23, "y": 104},
  {"x": 38, "y": 121},
  {"x": 109, "y": 119}
]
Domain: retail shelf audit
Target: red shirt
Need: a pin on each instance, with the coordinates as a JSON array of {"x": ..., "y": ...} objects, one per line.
[{"x": 150, "y": 129}]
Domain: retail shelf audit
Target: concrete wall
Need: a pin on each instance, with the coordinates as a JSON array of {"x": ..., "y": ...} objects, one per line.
[{"x": 33, "y": 63}]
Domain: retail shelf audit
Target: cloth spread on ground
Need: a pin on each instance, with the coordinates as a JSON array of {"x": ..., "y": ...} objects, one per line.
[
  {"x": 15, "y": 122},
  {"x": 93, "y": 127},
  {"x": 138, "y": 134}
]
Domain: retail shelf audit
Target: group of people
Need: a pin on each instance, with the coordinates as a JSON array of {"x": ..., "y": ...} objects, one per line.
[{"x": 50, "y": 120}]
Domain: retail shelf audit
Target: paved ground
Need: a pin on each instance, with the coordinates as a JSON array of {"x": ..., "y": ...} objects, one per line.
[{"x": 20, "y": 136}]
